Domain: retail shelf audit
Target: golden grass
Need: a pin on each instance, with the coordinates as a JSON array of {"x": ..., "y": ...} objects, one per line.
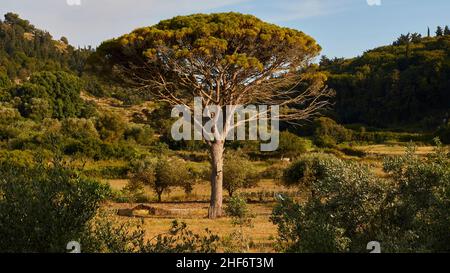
[
  {"x": 261, "y": 234},
  {"x": 392, "y": 150},
  {"x": 263, "y": 230}
]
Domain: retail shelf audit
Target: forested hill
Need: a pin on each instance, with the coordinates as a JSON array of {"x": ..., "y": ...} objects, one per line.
[
  {"x": 25, "y": 49},
  {"x": 406, "y": 84}
]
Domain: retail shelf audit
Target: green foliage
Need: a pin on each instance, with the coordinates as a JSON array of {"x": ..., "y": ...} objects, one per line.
[
  {"x": 241, "y": 217},
  {"x": 49, "y": 94},
  {"x": 25, "y": 50},
  {"x": 238, "y": 172},
  {"x": 328, "y": 133},
  {"x": 237, "y": 208},
  {"x": 237, "y": 44},
  {"x": 348, "y": 206},
  {"x": 111, "y": 126},
  {"x": 141, "y": 134},
  {"x": 339, "y": 212},
  {"x": 4, "y": 81},
  {"x": 291, "y": 145},
  {"x": 405, "y": 84},
  {"x": 160, "y": 174},
  {"x": 43, "y": 208},
  {"x": 8, "y": 115},
  {"x": 79, "y": 128},
  {"x": 417, "y": 208}
]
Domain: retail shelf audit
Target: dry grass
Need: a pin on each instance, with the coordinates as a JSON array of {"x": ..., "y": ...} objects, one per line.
[
  {"x": 261, "y": 234},
  {"x": 194, "y": 213},
  {"x": 263, "y": 231},
  {"x": 387, "y": 150}
]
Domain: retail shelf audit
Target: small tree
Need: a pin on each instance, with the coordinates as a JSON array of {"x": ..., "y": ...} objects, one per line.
[
  {"x": 225, "y": 59},
  {"x": 439, "y": 31},
  {"x": 160, "y": 174},
  {"x": 241, "y": 216},
  {"x": 239, "y": 173},
  {"x": 446, "y": 31}
]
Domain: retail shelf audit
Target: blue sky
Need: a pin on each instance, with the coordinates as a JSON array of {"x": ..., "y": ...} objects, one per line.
[{"x": 342, "y": 27}]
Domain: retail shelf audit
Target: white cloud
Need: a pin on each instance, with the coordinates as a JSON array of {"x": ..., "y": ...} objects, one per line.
[
  {"x": 73, "y": 2},
  {"x": 374, "y": 2}
]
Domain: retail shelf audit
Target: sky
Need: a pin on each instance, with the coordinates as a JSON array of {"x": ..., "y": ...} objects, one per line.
[{"x": 344, "y": 28}]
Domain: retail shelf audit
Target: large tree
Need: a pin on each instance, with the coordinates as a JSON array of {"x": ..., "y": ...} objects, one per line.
[{"x": 226, "y": 59}]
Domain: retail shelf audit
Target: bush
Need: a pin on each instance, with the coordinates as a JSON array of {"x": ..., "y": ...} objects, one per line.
[
  {"x": 58, "y": 94},
  {"x": 141, "y": 134},
  {"x": 291, "y": 145},
  {"x": 4, "y": 81},
  {"x": 238, "y": 172},
  {"x": 241, "y": 217},
  {"x": 108, "y": 236},
  {"x": 160, "y": 174},
  {"x": 328, "y": 133},
  {"x": 110, "y": 126},
  {"x": 43, "y": 208},
  {"x": 8, "y": 115},
  {"x": 340, "y": 213},
  {"x": 417, "y": 208},
  {"x": 348, "y": 206},
  {"x": 79, "y": 128}
]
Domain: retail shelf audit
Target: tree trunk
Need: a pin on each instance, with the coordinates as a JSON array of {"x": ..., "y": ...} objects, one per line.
[
  {"x": 215, "y": 208},
  {"x": 159, "y": 194}
]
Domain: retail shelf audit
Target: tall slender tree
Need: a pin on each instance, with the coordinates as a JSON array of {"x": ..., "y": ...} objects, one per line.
[{"x": 439, "y": 31}]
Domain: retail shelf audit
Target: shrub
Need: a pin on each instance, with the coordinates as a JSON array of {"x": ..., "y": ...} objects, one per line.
[
  {"x": 237, "y": 208},
  {"x": 241, "y": 217},
  {"x": 328, "y": 133},
  {"x": 4, "y": 81},
  {"x": 141, "y": 134},
  {"x": 340, "y": 213},
  {"x": 43, "y": 208},
  {"x": 56, "y": 94},
  {"x": 238, "y": 172},
  {"x": 110, "y": 126},
  {"x": 160, "y": 174},
  {"x": 79, "y": 128},
  {"x": 417, "y": 208},
  {"x": 8, "y": 115},
  {"x": 291, "y": 145},
  {"x": 348, "y": 206}
]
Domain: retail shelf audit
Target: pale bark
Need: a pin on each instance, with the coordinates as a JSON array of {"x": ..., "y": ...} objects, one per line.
[{"x": 215, "y": 208}]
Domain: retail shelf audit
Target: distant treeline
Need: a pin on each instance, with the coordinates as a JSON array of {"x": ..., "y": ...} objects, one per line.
[
  {"x": 404, "y": 85},
  {"x": 25, "y": 49}
]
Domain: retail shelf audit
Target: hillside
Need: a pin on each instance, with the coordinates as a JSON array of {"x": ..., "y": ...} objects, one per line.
[
  {"x": 25, "y": 49},
  {"x": 404, "y": 85}
]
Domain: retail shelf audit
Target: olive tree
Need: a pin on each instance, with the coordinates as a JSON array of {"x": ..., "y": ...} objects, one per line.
[
  {"x": 238, "y": 173},
  {"x": 160, "y": 174},
  {"x": 226, "y": 59}
]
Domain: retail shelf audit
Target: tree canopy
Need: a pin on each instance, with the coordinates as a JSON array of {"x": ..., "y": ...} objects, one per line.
[
  {"x": 205, "y": 53},
  {"x": 406, "y": 84}
]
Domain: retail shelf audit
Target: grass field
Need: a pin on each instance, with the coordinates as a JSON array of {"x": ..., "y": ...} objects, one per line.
[
  {"x": 194, "y": 213},
  {"x": 193, "y": 208}
]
